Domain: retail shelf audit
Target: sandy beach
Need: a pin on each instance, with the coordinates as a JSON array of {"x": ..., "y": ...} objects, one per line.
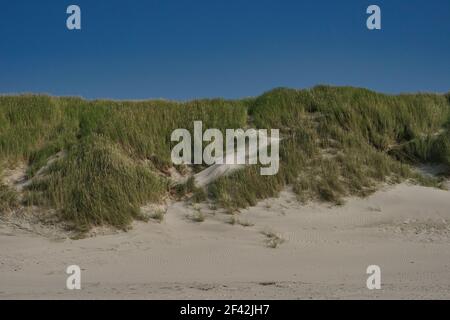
[{"x": 322, "y": 252}]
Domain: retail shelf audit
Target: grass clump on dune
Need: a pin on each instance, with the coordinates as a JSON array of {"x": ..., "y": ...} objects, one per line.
[
  {"x": 8, "y": 198},
  {"x": 35, "y": 127},
  {"x": 96, "y": 184},
  {"x": 342, "y": 141},
  {"x": 113, "y": 150}
]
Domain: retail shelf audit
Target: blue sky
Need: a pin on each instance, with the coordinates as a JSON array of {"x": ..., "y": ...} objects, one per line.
[{"x": 183, "y": 49}]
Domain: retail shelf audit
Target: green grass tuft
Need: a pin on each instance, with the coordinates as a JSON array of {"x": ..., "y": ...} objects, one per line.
[
  {"x": 97, "y": 183},
  {"x": 8, "y": 198}
]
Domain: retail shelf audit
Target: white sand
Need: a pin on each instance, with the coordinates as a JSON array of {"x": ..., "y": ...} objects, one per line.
[{"x": 403, "y": 229}]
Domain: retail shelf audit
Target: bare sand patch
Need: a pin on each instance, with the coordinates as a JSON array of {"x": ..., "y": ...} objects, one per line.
[{"x": 326, "y": 249}]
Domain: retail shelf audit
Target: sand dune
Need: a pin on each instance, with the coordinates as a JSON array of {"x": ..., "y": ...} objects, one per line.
[{"x": 404, "y": 229}]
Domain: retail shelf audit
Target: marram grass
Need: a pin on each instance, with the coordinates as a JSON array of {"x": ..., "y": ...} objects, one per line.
[
  {"x": 113, "y": 155},
  {"x": 8, "y": 198},
  {"x": 96, "y": 184},
  {"x": 342, "y": 141}
]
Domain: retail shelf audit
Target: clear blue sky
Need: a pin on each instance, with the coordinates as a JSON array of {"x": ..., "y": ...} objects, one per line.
[{"x": 184, "y": 49}]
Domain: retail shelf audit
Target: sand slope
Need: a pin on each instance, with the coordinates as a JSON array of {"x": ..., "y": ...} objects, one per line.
[{"x": 403, "y": 229}]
